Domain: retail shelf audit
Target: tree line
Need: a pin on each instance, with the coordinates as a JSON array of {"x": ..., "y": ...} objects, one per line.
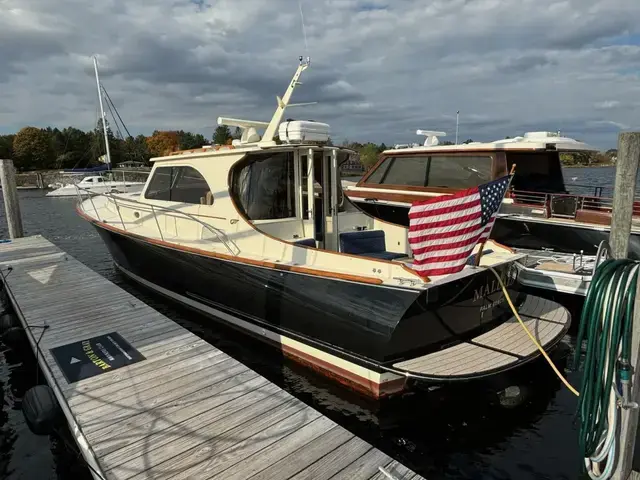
[{"x": 34, "y": 148}]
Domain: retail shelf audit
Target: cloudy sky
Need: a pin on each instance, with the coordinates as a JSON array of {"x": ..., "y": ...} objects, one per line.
[{"x": 380, "y": 68}]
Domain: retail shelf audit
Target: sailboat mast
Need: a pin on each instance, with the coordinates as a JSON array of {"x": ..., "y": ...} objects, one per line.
[{"x": 104, "y": 123}]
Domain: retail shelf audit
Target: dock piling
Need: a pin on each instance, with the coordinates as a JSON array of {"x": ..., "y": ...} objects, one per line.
[
  {"x": 10, "y": 195},
  {"x": 623, "y": 200},
  {"x": 624, "y": 192}
]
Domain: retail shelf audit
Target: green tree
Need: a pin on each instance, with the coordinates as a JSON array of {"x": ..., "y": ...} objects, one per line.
[
  {"x": 237, "y": 133},
  {"x": 221, "y": 135},
  {"x": 369, "y": 155},
  {"x": 189, "y": 140},
  {"x": 446, "y": 142},
  {"x": 32, "y": 149},
  {"x": 467, "y": 141},
  {"x": 6, "y": 146},
  {"x": 135, "y": 149}
]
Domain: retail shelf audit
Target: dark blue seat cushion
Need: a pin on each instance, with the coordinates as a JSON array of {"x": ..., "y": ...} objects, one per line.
[
  {"x": 384, "y": 255},
  {"x": 369, "y": 243},
  {"x": 306, "y": 242},
  {"x": 363, "y": 241}
]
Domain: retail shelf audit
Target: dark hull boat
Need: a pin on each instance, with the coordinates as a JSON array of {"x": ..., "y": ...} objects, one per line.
[{"x": 261, "y": 238}]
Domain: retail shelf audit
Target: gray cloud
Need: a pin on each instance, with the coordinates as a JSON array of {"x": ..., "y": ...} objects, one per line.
[{"x": 380, "y": 69}]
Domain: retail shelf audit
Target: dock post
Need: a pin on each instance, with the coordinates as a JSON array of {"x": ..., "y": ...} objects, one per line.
[
  {"x": 10, "y": 196},
  {"x": 625, "y": 187}
]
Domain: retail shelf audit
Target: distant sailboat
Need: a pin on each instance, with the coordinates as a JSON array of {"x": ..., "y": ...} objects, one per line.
[{"x": 97, "y": 184}]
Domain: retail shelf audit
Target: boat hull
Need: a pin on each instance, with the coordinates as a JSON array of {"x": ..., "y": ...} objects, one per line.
[{"x": 347, "y": 330}]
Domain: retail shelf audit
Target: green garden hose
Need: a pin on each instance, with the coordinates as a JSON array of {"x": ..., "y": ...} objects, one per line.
[{"x": 605, "y": 326}]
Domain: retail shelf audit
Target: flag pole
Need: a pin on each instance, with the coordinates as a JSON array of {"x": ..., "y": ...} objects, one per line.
[{"x": 511, "y": 173}]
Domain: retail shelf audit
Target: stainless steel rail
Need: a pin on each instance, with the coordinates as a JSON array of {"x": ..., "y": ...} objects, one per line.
[{"x": 220, "y": 234}]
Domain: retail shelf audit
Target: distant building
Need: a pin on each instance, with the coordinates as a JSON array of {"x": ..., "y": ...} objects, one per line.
[
  {"x": 131, "y": 164},
  {"x": 352, "y": 165}
]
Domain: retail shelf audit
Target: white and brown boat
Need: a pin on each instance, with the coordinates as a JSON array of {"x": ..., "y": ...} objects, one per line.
[
  {"x": 539, "y": 212},
  {"x": 258, "y": 235}
]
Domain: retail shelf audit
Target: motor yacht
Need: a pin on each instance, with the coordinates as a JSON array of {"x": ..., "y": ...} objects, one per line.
[
  {"x": 538, "y": 213},
  {"x": 258, "y": 234}
]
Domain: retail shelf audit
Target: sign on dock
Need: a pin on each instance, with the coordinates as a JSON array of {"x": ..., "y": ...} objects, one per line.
[{"x": 93, "y": 356}]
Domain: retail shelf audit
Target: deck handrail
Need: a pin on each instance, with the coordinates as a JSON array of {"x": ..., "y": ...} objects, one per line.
[
  {"x": 583, "y": 202},
  {"x": 220, "y": 234}
]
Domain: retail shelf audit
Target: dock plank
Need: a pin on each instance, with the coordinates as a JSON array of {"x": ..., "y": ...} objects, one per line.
[{"x": 187, "y": 410}]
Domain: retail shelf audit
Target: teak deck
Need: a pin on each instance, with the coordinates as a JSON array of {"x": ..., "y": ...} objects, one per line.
[
  {"x": 506, "y": 344},
  {"x": 188, "y": 410}
]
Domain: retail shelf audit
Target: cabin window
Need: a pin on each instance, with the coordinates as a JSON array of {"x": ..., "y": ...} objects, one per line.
[
  {"x": 99, "y": 180},
  {"x": 177, "y": 184},
  {"x": 410, "y": 171},
  {"x": 536, "y": 171},
  {"x": 378, "y": 173},
  {"x": 458, "y": 171},
  {"x": 264, "y": 186}
]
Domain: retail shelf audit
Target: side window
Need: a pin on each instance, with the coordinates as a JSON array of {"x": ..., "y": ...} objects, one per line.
[
  {"x": 99, "y": 180},
  {"x": 188, "y": 186},
  {"x": 410, "y": 171},
  {"x": 264, "y": 186},
  {"x": 378, "y": 173},
  {"x": 160, "y": 185},
  {"x": 458, "y": 171},
  {"x": 178, "y": 184}
]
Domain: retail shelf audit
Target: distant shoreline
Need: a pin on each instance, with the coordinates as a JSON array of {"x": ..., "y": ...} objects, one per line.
[{"x": 599, "y": 165}]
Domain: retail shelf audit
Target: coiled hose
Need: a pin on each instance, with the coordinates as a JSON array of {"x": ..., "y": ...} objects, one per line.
[{"x": 605, "y": 326}]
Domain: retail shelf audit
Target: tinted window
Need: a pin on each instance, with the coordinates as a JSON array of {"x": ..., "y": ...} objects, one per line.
[
  {"x": 407, "y": 171},
  {"x": 188, "y": 186},
  {"x": 536, "y": 171},
  {"x": 378, "y": 173},
  {"x": 177, "y": 184},
  {"x": 459, "y": 172},
  {"x": 160, "y": 185},
  {"x": 264, "y": 186}
]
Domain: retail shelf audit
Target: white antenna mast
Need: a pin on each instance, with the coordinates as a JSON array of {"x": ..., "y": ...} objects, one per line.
[
  {"x": 267, "y": 138},
  {"x": 457, "y": 123},
  {"x": 104, "y": 123},
  {"x": 304, "y": 31}
]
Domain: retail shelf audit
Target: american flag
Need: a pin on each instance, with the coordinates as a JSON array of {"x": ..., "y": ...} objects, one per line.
[{"x": 443, "y": 231}]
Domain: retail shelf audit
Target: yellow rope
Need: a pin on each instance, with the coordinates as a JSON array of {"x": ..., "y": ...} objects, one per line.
[{"x": 544, "y": 354}]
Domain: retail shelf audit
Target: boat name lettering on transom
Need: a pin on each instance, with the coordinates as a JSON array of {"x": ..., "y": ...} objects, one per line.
[{"x": 492, "y": 287}]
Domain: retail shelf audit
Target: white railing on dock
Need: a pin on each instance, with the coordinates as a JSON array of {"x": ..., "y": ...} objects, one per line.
[{"x": 121, "y": 203}]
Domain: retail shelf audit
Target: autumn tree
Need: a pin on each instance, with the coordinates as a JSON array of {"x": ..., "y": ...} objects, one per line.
[
  {"x": 163, "y": 143},
  {"x": 221, "y": 135},
  {"x": 32, "y": 149}
]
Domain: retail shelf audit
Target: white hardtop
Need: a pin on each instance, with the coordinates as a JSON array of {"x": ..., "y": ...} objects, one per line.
[{"x": 528, "y": 141}]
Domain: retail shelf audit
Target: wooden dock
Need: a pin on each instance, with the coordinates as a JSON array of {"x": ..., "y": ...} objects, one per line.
[{"x": 186, "y": 410}]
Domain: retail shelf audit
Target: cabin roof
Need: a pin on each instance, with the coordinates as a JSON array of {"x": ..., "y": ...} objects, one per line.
[
  {"x": 530, "y": 141},
  {"x": 220, "y": 150}
]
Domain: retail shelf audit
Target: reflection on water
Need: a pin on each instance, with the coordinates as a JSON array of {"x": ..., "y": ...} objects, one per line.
[{"x": 446, "y": 433}]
